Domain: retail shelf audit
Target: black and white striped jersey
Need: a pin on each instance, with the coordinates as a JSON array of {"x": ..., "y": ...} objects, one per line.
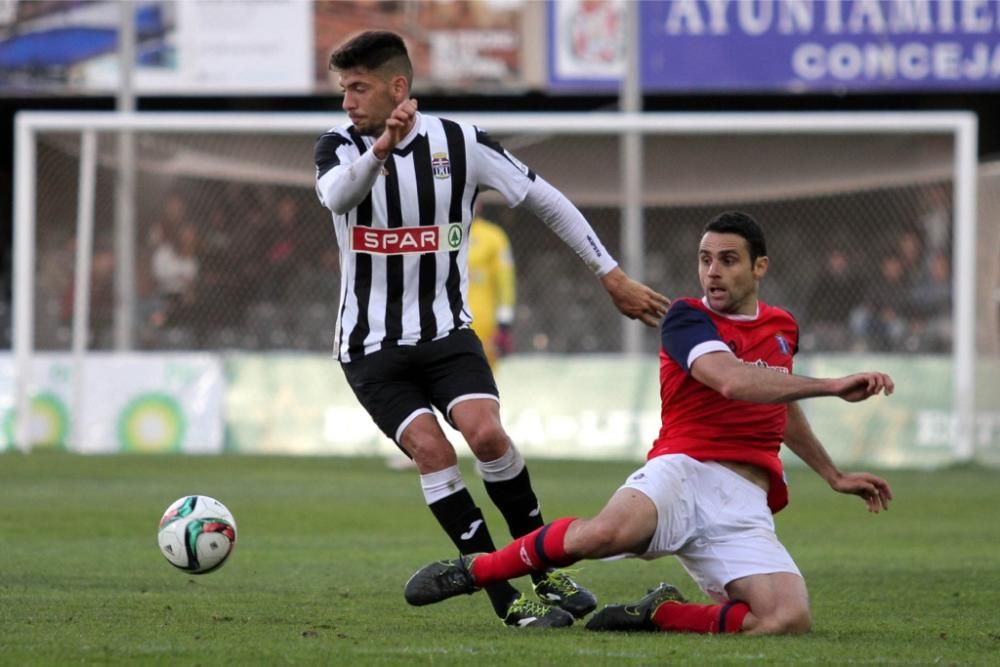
[{"x": 402, "y": 227}]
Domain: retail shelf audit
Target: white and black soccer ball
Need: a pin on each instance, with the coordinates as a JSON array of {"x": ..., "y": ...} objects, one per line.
[{"x": 197, "y": 534}]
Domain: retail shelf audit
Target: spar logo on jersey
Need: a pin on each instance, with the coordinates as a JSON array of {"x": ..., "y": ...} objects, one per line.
[
  {"x": 440, "y": 165},
  {"x": 407, "y": 240}
]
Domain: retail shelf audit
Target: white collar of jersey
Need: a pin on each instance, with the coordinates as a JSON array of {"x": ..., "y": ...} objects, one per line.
[
  {"x": 418, "y": 126},
  {"x": 756, "y": 314}
]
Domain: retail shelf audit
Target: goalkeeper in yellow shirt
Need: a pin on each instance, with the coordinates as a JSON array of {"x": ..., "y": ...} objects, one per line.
[{"x": 491, "y": 287}]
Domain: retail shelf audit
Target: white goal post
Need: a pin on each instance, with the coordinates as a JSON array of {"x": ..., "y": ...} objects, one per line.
[{"x": 960, "y": 126}]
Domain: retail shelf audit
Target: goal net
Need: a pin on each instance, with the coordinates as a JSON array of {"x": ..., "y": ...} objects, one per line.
[{"x": 227, "y": 249}]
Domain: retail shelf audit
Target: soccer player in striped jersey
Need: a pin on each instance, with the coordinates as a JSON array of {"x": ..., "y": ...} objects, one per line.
[
  {"x": 713, "y": 478},
  {"x": 401, "y": 186}
]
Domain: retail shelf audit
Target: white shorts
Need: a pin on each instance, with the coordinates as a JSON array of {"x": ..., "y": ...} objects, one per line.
[{"x": 716, "y": 522}]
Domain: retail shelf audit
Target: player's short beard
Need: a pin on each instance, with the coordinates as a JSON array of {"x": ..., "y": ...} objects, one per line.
[{"x": 371, "y": 132}]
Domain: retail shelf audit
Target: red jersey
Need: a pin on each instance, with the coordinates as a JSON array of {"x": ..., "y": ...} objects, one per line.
[{"x": 696, "y": 419}]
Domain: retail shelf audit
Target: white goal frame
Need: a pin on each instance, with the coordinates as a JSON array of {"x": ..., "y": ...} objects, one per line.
[{"x": 962, "y": 126}]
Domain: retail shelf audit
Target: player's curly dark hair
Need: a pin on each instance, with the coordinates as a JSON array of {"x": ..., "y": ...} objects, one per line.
[
  {"x": 372, "y": 50},
  {"x": 741, "y": 224}
]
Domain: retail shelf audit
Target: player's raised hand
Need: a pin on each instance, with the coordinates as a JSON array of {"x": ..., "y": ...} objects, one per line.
[
  {"x": 397, "y": 126},
  {"x": 634, "y": 299},
  {"x": 401, "y": 120},
  {"x": 861, "y": 386},
  {"x": 873, "y": 490}
]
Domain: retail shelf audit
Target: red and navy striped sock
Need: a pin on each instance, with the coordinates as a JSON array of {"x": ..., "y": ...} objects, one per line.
[
  {"x": 701, "y": 618},
  {"x": 535, "y": 552}
]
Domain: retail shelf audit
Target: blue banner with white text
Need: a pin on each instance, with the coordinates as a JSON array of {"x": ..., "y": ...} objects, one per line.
[{"x": 780, "y": 45}]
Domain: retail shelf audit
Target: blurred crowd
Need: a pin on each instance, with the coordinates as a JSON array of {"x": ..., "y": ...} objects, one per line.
[
  {"x": 889, "y": 292},
  {"x": 901, "y": 304},
  {"x": 255, "y": 267},
  {"x": 250, "y": 271}
]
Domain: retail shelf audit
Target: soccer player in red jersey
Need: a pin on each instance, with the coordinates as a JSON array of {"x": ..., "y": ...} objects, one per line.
[{"x": 712, "y": 479}]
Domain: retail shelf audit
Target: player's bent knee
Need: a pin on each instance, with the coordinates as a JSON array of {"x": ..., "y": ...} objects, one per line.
[
  {"x": 488, "y": 441},
  {"x": 434, "y": 460},
  {"x": 798, "y": 623},
  {"x": 428, "y": 451}
]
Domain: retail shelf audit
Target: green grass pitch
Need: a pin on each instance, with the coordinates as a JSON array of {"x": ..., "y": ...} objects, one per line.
[{"x": 325, "y": 546}]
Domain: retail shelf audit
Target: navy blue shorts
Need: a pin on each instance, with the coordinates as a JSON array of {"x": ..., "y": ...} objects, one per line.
[{"x": 397, "y": 383}]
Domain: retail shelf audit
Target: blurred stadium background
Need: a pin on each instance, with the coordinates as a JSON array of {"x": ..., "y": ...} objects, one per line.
[{"x": 861, "y": 225}]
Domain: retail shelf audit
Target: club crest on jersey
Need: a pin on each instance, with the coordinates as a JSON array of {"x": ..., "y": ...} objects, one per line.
[
  {"x": 783, "y": 344},
  {"x": 407, "y": 240},
  {"x": 440, "y": 165}
]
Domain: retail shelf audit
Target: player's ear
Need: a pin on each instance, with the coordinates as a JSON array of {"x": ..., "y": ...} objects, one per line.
[
  {"x": 760, "y": 267},
  {"x": 400, "y": 88}
]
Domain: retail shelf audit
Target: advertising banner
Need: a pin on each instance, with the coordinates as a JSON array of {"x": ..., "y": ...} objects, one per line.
[
  {"x": 553, "y": 406},
  {"x": 911, "y": 428},
  {"x": 596, "y": 407},
  {"x": 258, "y": 47},
  {"x": 139, "y": 403},
  {"x": 296, "y": 404},
  {"x": 452, "y": 44},
  {"x": 586, "y": 44},
  {"x": 781, "y": 45},
  {"x": 182, "y": 47}
]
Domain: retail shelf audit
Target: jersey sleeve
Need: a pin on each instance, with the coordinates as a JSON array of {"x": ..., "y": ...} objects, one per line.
[
  {"x": 343, "y": 178},
  {"x": 497, "y": 169},
  {"x": 326, "y": 152},
  {"x": 555, "y": 210},
  {"x": 687, "y": 333}
]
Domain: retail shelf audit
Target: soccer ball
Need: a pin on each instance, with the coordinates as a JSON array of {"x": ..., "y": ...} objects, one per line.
[{"x": 197, "y": 534}]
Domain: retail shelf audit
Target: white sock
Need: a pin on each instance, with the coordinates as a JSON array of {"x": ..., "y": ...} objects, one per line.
[
  {"x": 502, "y": 469},
  {"x": 441, "y": 484}
]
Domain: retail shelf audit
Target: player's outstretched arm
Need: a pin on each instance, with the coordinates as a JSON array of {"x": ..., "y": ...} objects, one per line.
[
  {"x": 634, "y": 299},
  {"x": 735, "y": 380},
  {"x": 799, "y": 437}
]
